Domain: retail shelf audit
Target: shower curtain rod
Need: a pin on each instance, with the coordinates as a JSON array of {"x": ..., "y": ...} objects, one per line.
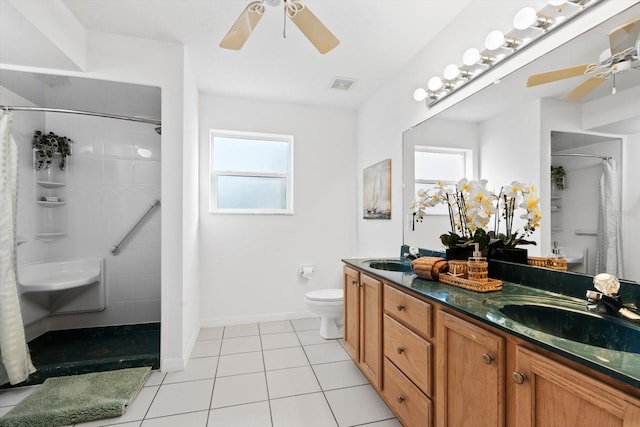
[
  {"x": 583, "y": 155},
  {"x": 80, "y": 112}
]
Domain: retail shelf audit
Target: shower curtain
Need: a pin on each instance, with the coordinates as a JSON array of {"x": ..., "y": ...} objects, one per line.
[
  {"x": 609, "y": 244},
  {"x": 15, "y": 362}
]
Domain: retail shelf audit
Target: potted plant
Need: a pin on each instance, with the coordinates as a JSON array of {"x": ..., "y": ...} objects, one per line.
[
  {"x": 46, "y": 146},
  {"x": 470, "y": 206},
  {"x": 558, "y": 176},
  {"x": 503, "y": 245}
]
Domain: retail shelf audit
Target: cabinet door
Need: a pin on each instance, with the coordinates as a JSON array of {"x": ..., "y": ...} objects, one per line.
[
  {"x": 371, "y": 329},
  {"x": 549, "y": 394},
  {"x": 351, "y": 331},
  {"x": 470, "y": 375}
]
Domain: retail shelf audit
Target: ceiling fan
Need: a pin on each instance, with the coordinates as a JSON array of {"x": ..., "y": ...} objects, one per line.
[
  {"x": 622, "y": 55},
  {"x": 297, "y": 11}
]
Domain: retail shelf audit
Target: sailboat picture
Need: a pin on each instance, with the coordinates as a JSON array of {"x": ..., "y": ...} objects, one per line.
[{"x": 377, "y": 191}]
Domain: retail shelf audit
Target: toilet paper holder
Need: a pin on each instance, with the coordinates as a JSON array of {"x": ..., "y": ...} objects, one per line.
[{"x": 306, "y": 271}]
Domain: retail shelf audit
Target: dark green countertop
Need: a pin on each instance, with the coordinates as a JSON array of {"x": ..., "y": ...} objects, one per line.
[{"x": 623, "y": 366}]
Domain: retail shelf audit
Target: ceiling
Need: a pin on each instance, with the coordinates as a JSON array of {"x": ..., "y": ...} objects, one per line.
[{"x": 377, "y": 39}]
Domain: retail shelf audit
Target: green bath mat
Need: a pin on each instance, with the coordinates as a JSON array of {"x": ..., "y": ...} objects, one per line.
[{"x": 62, "y": 401}]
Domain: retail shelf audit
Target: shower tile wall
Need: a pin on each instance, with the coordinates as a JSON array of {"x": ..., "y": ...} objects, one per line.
[{"x": 113, "y": 176}]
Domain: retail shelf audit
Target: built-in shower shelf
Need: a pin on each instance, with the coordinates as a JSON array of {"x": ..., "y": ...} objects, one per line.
[
  {"x": 50, "y": 184},
  {"x": 49, "y": 237},
  {"x": 51, "y": 204}
]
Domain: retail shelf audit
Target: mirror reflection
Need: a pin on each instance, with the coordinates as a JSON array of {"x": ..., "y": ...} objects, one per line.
[{"x": 586, "y": 126}]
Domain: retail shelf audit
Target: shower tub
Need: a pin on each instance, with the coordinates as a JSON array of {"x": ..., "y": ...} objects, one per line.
[
  {"x": 76, "y": 286},
  {"x": 62, "y": 287}
]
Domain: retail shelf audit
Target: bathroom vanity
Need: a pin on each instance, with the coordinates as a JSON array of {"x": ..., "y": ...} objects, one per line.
[{"x": 443, "y": 356}]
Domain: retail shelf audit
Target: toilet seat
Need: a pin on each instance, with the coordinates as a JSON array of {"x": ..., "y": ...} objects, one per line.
[{"x": 325, "y": 295}]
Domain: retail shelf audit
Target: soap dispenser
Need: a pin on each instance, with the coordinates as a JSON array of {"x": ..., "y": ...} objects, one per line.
[
  {"x": 557, "y": 260},
  {"x": 477, "y": 266}
]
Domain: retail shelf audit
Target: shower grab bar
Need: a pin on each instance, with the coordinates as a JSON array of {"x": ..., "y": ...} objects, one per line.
[{"x": 152, "y": 206}]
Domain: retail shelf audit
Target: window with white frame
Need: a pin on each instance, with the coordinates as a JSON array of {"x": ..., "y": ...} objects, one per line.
[
  {"x": 251, "y": 173},
  {"x": 433, "y": 164}
]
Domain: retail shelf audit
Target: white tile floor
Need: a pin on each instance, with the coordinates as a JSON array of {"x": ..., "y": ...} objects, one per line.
[{"x": 275, "y": 374}]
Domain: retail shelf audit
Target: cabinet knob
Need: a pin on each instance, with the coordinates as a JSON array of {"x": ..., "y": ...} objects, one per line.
[
  {"x": 400, "y": 399},
  {"x": 487, "y": 358},
  {"x": 400, "y": 307},
  {"x": 518, "y": 377},
  {"x": 354, "y": 283},
  {"x": 400, "y": 350}
]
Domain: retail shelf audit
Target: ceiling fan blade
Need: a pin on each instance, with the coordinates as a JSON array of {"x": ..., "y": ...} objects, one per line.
[
  {"x": 311, "y": 27},
  {"x": 244, "y": 25},
  {"x": 584, "y": 89},
  {"x": 552, "y": 76},
  {"x": 625, "y": 36}
]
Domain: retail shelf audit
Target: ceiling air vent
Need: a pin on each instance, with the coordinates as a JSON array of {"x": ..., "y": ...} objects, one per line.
[{"x": 342, "y": 83}]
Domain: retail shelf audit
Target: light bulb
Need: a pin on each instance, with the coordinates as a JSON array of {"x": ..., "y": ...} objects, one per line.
[
  {"x": 525, "y": 18},
  {"x": 495, "y": 39},
  {"x": 420, "y": 94},
  {"x": 451, "y": 72},
  {"x": 471, "y": 57},
  {"x": 556, "y": 3},
  {"x": 435, "y": 83}
]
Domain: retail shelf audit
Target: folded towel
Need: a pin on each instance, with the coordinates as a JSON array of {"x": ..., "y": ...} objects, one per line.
[{"x": 429, "y": 267}]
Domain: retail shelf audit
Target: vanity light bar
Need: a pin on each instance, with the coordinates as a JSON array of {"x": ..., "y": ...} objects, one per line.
[{"x": 528, "y": 24}]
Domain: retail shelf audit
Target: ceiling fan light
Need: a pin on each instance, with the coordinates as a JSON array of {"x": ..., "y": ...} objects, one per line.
[
  {"x": 495, "y": 40},
  {"x": 451, "y": 72},
  {"x": 435, "y": 83},
  {"x": 471, "y": 57},
  {"x": 420, "y": 94},
  {"x": 525, "y": 18}
]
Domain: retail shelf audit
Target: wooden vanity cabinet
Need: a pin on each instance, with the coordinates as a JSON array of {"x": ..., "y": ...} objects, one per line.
[
  {"x": 408, "y": 357},
  {"x": 363, "y": 323},
  {"x": 470, "y": 372},
  {"x": 549, "y": 394}
]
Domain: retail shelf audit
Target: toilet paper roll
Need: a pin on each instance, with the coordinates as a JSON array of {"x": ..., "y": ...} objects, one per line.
[{"x": 307, "y": 272}]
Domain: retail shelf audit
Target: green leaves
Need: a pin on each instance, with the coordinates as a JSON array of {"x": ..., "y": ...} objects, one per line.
[{"x": 47, "y": 146}]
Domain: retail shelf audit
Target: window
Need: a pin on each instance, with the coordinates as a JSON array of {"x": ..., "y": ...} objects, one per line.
[
  {"x": 433, "y": 164},
  {"x": 251, "y": 173}
]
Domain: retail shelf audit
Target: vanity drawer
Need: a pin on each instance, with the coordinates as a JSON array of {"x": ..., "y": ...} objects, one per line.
[
  {"x": 411, "y": 311},
  {"x": 409, "y": 352},
  {"x": 411, "y": 406}
]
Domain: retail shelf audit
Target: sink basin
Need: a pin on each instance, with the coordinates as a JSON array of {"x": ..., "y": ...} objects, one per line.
[
  {"x": 390, "y": 265},
  {"x": 575, "y": 325}
]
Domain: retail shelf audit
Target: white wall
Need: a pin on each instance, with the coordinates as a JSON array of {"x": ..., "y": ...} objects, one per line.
[
  {"x": 248, "y": 263},
  {"x": 631, "y": 205}
]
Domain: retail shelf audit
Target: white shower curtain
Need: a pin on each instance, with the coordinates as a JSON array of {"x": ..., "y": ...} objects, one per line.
[
  {"x": 15, "y": 362},
  {"x": 609, "y": 245}
]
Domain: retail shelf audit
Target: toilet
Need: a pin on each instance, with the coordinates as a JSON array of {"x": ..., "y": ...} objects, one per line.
[{"x": 329, "y": 305}]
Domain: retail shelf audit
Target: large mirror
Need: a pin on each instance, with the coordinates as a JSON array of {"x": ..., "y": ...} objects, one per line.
[{"x": 515, "y": 132}]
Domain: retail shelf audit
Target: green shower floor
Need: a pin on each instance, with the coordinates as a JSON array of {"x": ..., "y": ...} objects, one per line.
[{"x": 80, "y": 351}]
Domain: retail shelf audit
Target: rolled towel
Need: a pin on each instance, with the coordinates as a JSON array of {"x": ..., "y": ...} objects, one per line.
[{"x": 429, "y": 267}]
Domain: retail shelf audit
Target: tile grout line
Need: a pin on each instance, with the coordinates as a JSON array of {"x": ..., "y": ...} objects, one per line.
[{"x": 266, "y": 382}]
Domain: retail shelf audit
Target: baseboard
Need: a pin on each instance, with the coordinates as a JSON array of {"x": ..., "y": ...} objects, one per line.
[
  {"x": 171, "y": 365},
  {"x": 240, "y": 320}
]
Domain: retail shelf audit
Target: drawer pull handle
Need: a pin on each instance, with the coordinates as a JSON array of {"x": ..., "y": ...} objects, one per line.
[
  {"x": 518, "y": 378},
  {"x": 487, "y": 358},
  {"x": 400, "y": 350},
  {"x": 400, "y": 307},
  {"x": 400, "y": 399}
]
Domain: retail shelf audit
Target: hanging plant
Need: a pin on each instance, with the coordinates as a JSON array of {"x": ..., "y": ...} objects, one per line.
[
  {"x": 47, "y": 145},
  {"x": 557, "y": 176}
]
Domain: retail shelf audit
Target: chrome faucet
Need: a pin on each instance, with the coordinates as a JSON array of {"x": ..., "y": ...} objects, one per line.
[
  {"x": 412, "y": 254},
  {"x": 608, "y": 299}
]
